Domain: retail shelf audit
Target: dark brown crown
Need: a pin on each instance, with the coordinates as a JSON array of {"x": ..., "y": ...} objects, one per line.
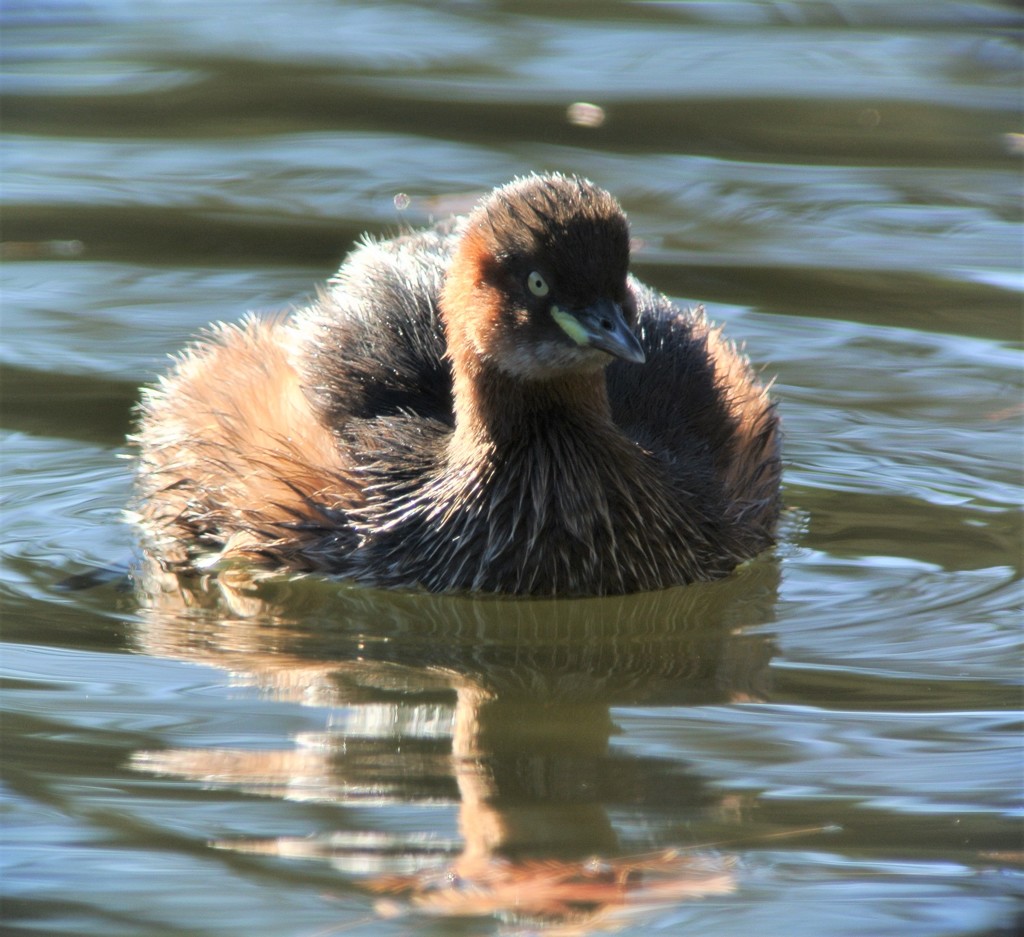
[{"x": 568, "y": 225}]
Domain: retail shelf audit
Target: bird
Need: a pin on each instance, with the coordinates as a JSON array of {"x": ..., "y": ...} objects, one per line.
[{"x": 494, "y": 404}]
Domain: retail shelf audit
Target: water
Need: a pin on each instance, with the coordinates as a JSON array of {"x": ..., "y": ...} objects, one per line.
[{"x": 826, "y": 743}]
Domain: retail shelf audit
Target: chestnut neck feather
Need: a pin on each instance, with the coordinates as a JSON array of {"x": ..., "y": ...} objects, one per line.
[{"x": 494, "y": 410}]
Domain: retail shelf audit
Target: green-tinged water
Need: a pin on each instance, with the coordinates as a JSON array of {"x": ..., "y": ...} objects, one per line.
[{"x": 828, "y": 743}]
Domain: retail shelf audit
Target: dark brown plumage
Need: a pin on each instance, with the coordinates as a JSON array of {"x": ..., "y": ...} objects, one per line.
[{"x": 464, "y": 408}]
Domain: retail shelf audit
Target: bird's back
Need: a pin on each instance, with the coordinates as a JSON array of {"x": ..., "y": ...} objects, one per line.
[
  {"x": 697, "y": 405},
  {"x": 373, "y": 344}
]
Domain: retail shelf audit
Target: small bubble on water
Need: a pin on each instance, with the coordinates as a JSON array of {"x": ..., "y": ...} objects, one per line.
[
  {"x": 583, "y": 114},
  {"x": 1014, "y": 143}
]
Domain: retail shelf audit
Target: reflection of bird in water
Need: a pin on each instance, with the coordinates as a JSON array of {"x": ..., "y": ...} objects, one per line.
[
  {"x": 494, "y": 405},
  {"x": 499, "y": 710},
  {"x": 572, "y": 896},
  {"x": 672, "y": 647}
]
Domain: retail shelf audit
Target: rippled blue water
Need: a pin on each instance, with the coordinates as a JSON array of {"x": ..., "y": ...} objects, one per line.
[{"x": 830, "y": 740}]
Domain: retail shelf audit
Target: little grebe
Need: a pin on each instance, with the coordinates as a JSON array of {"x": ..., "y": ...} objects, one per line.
[{"x": 492, "y": 405}]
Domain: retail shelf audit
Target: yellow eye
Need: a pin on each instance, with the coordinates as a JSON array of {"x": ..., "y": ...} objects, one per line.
[{"x": 537, "y": 284}]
